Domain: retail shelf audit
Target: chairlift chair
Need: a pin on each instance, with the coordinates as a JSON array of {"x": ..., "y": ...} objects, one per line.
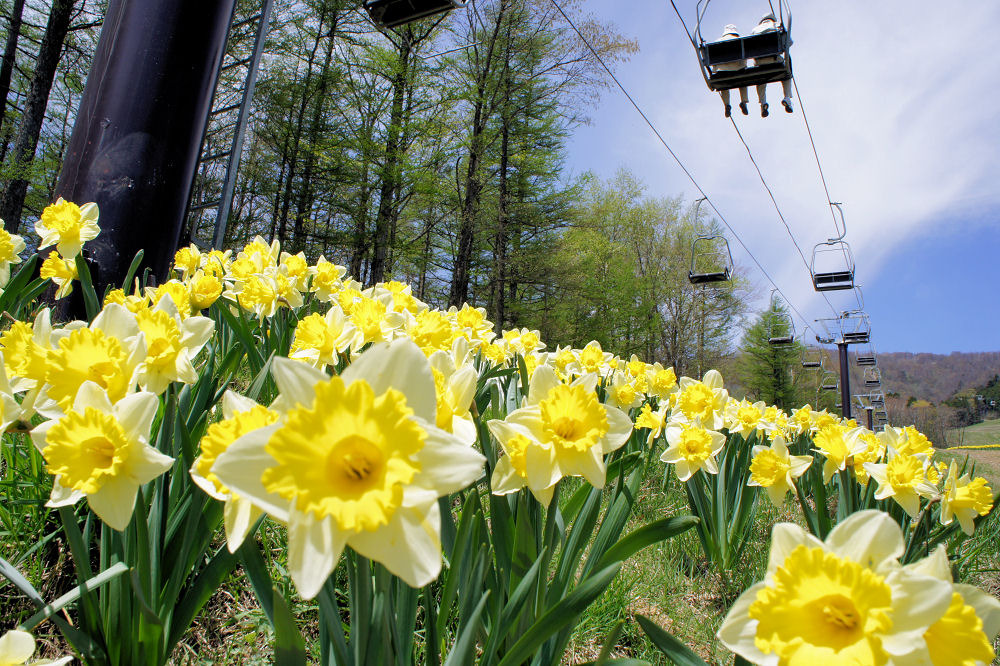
[
  {"x": 394, "y": 13},
  {"x": 873, "y": 377},
  {"x": 771, "y": 46},
  {"x": 856, "y": 327},
  {"x": 812, "y": 357},
  {"x": 832, "y": 264},
  {"x": 866, "y": 358},
  {"x": 709, "y": 262},
  {"x": 829, "y": 381}
]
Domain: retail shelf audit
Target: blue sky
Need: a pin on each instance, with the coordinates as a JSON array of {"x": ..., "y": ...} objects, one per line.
[{"x": 904, "y": 107}]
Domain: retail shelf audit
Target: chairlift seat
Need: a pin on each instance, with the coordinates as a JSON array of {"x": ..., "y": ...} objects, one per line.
[
  {"x": 770, "y": 44},
  {"x": 781, "y": 340},
  {"x": 393, "y": 13},
  {"x": 703, "y": 278},
  {"x": 866, "y": 361},
  {"x": 873, "y": 382},
  {"x": 810, "y": 364},
  {"x": 833, "y": 281},
  {"x": 857, "y": 337}
]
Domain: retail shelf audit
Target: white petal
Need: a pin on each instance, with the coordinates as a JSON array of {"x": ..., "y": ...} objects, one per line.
[
  {"x": 738, "y": 631},
  {"x": 917, "y": 603},
  {"x": 233, "y": 403},
  {"x": 114, "y": 503},
  {"x": 505, "y": 479},
  {"x": 241, "y": 466},
  {"x": 786, "y": 537},
  {"x": 409, "y": 546},
  {"x": 987, "y": 608},
  {"x": 146, "y": 463},
  {"x": 313, "y": 549},
  {"x": 402, "y": 366},
  {"x": 446, "y": 464},
  {"x": 116, "y": 321},
  {"x": 868, "y": 537},
  {"x": 16, "y": 647},
  {"x": 239, "y": 515},
  {"x": 543, "y": 380},
  {"x": 619, "y": 430},
  {"x": 296, "y": 381},
  {"x": 196, "y": 332},
  {"x": 135, "y": 413},
  {"x": 91, "y": 395}
]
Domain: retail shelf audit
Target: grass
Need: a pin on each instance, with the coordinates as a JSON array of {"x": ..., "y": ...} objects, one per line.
[{"x": 986, "y": 433}]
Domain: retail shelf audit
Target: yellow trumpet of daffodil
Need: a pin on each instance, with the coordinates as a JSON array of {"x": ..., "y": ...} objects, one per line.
[
  {"x": 773, "y": 469},
  {"x": 67, "y": 226}
]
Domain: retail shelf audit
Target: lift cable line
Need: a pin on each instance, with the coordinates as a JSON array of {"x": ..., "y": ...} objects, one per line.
[
  {"x": 674, "y": 155},
  {"x": 781, "y": 216}
]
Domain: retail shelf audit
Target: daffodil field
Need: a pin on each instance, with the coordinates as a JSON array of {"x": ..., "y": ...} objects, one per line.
[{"x": 418, "y": 466}]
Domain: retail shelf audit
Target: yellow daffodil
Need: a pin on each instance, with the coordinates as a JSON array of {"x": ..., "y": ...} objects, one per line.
[
  {"x": 326, "y": 279},
  {"x": 431, "y": 330},
  {"x": 590, "y": 359},
  {"x": 16, "y": 648},
  {"x": 187, "y": 261},
  {"x": 773, "y": 469},
  {"x": 570, "y": 429},
  {"x": 963, "y": 635},
  {"x": 655, "y": 421},
  {"x": 171, "y": 345},
  {"x": 691, "y": 448},
  {"x": 622, "y": 393},
  {"x": 662, "y": 381},
  {"x": 67, "y": 226},
  {"x": 374, "y": 320},
  {"x": 702, "y": 401},
  {"x": 743, "y": 416},
  {"x": 874, "y": 450},
  {"x": 296, "y": 269},
  {"x": 11, "y": 246},
  {"x": 240, "y": 416},
  {"x": 108, "y": 353},
  {"x": 965, "y": 498},
  {"x": 356, "y": 461},
  {"x": 61, "y": 271},
  {"x": 101, "y": 451},
  {"x": 455, "y": 388},
  {"x": 802, "y": 419},
  {"x": 472, "y": 323},
  {"x": 845, "y": 600},
  {"x": 902, "y": 478},
  {"x": 204, "y": 289},
  {"x": 838, "y": 445},
  {"x": 320, "y": 339},
  {"x": 10, "y": 409}
]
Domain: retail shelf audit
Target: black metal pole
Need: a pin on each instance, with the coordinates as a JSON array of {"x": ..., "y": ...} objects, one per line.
[
  {"x": 868, "y": 416},
  {"x": 845, "y": 381},
  {"x": 135, "y": 142}
]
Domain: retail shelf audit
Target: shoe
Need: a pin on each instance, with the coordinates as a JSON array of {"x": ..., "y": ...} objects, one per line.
[
  {"x": 743, "y": 108},
  {"x": 729, "y": 110},
  {"x": 763, "y": 110},
  {"x": 787, "y": 103}
]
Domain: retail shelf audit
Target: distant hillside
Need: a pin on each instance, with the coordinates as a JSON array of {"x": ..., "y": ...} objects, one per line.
[{"x": 935, "y": 377}]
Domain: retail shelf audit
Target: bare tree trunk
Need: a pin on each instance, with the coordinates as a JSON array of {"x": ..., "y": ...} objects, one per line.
[
  {"x": 34, "y": 109},
  {"x": 497, "y": 280},
  {"x": 9, "y": 55}
]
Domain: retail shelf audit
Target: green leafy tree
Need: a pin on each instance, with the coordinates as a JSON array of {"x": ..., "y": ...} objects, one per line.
[{"x": 769, "y": 371}]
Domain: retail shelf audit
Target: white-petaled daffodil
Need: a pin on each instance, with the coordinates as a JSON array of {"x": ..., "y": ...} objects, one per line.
[{"x": 775, "y": 470}]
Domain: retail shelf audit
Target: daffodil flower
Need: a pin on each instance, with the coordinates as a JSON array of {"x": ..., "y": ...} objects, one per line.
[
  {"x": 702, "y": 401},
  {"x": 11, "y": 247},
  {"x": 573, "y": 428},
  {"x": 61, "y": 271},
  {"x": 320, "y": 339},
  {"x": 355, "y": 461},
  {"x": 101, "y": 451},
  {"x": 691, "y": 448},
  {"x": 171, "y": 344},
  {"x": 240, "y": 415},
  {"x": 963, "y": 635},
  {"x": 455, "y": 389},
  {"x": 743, "y": 416},
  {"x": 773, "y": 469},
  {"x": 965, "y": 498},
  {"x": 843, "y": 600},
  {"x": 655, "y": 421},
  {"x": 67, "y": 226},
  {"x": 16, "y": 648},
  {"x": 837, "y": 444},
  {"x": 902, "y": 478}
]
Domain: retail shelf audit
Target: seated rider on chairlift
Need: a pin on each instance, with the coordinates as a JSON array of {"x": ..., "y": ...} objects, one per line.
[
  {"x": 729, "y": 32},
  {"x": 767, "y": 24}
]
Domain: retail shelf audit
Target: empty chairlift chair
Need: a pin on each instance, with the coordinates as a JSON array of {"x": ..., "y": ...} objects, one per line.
[
  {"x": 771, "y": 46},
  {"x": 711, "y": 260},
  {"x": 394, "y": 13},
  {"x": 829, "y": 381},
  {"x": 866, "y": 358},
  {"x": 812, "y": 357},
  {"x": 873, "y": 377},
  {"x": 780, "y": 329},
  {"x": 855, "y": 327},
  {"x": 832, "y": 264}
]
